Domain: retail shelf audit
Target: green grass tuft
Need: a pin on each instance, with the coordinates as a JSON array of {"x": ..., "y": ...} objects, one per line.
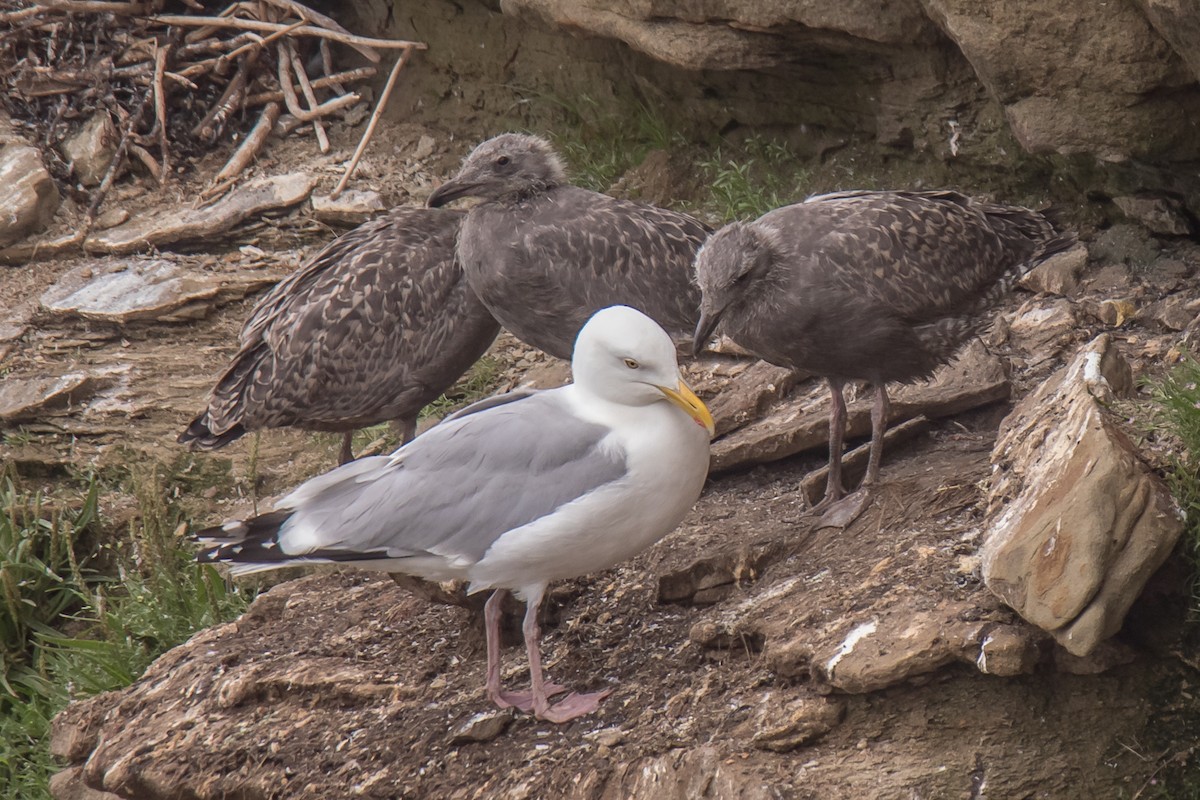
[
  {"x": 69, "y": 631},
  {"x": 1177, "y": 417},
  {"x": 750, "y": 180}
]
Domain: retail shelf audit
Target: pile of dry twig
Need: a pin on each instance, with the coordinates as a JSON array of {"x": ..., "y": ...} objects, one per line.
[{"x": 175, "y": 84}]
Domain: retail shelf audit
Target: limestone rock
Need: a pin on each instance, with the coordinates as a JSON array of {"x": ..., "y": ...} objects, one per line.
[
  {"x": 1113, "y": 311},
  {"x": 90, "y": 151},
  {"x": 711, "y": 579},
  {"x": 138, "y": 289},
  {"x": 69, "y": 785},
  {"x": 1174, "y": 312},
  {"x": 1158, "y": 214},
  {"x": 23, "y": 399},
  {"x": 749, "y": 395},
  {"x": 187, "y": 224},
  {"x": 1125, "y": 243},
  {"x": 1099, "y": 94},
  {"x": 1041, "y": 328},
  {"x": 1009, "y": 650},
  {"x": 801, "y": 423},
  {"x": 783, "y": 726},
  {"x": 1058, "y": 274},
  {"x": 30, "y": 197},
  {"x": 687, "y": 37},
  {"x": 482, "y": 727},
  {"x": 1076, "y": 522},
  {"x": 351, "y": 207},
  {"x": 1178, "y": 22},
  {"x": 893, "y": 647},
  {"x": 682, "y": 774}
]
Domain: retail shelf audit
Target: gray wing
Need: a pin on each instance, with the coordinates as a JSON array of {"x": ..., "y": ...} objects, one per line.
[{"x": 457, "y": 488}]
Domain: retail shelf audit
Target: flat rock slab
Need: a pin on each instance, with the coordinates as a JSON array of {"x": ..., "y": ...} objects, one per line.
[
  {"x": 1076, "y": 522},
  {"x": 30, "y": 197},
  {"x": 24, "y": 399},
  {"x": 352, "y": 207},
  {"x": 801, "y": 423},
  {"x": 187, "y": 224},
  {"x": 128, "y": 290}
]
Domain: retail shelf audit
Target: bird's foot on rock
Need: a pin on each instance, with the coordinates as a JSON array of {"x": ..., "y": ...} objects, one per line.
[
  {"x": 573, "y": 706},
  {"x": 523, "y": 701},
  {"x": 841, "y": 512}
]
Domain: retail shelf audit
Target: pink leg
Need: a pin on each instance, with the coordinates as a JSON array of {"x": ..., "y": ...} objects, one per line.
[
  {"x": 837, "y": 436},
  {"x": 495, "y": 693},
  {"x": 573, "y": 705}
]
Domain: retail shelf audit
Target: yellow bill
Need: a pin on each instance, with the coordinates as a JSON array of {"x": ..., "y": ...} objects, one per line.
[{"x": 686, "y": 399}]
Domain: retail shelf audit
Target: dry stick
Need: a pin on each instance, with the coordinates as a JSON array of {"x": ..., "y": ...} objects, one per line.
[
  {"x": 327, "y": 66},
  {"x": 309, "y": 95},
  {"x": 349, "y": 75},
  {"x": 307, "y": 14},
  {"x": 148, "y": 161},
  {"x": 160, "y": 111},
  {"x": 92, "y": 7},
  {"x": 211, "y": 46},
  {"x": 379, "y": 107},
  {"x": 111, "y": 173},
  {"x": 293, "y": 102},
  {"x": 214, "y": 121},
  {"x": 262, "y": 42},
  {"x": 363, "y": 44},
  {"x": 251, "y": 145}
]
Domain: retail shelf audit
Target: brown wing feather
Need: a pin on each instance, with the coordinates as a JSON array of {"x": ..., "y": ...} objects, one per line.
[{"x": 374, "y": 327}]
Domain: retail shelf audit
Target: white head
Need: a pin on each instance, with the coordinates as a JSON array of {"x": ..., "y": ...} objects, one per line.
[{"x": 624, "y": 357}]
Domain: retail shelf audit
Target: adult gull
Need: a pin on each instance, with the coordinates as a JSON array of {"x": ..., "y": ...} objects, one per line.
[
  {"x": 544, "y": 255},
  {"x": 373, "y": 328},
  {"x": 874, "y": 286},
  {"x": 511, "y": 493}
]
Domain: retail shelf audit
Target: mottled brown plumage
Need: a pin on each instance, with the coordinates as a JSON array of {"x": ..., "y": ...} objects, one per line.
[
  {"x": 544, "y": 255},
  {"x": 373, "y": 328},
  {"x": 874, "y": 286}
]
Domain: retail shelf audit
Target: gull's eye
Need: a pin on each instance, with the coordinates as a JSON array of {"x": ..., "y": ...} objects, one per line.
[
  {"x": 629, "y": 362},
  {"x": 502, "y": 161}
]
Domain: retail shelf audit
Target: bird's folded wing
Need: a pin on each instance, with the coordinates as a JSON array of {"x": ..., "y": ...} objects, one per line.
[{"x": 456, "y": 489}]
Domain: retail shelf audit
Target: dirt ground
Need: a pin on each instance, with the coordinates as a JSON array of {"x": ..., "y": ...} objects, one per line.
[{"x": 343, "y": 684}]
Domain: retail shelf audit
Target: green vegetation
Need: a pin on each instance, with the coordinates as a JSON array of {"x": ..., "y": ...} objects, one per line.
[
  {"x": 750, "y": 180},
  {"x": 600, "y": 145},
  {"x": 1177, "y": 417},
  {"x": 51, "y": 581}
]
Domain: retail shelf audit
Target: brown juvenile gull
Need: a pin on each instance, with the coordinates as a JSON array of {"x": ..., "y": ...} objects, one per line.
[
  {"x": 372, "y": 328},
  {"x": 872, "y": 286},
  {"x": 512, "y": 492},
  {"x": 544, "y": 255}
]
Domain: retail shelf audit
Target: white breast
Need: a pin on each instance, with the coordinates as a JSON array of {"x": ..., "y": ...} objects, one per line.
[{"x": 666, "y": 454}]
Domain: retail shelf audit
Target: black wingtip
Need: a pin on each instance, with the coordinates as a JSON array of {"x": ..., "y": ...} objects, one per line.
[{"x": 198, "y": 436}]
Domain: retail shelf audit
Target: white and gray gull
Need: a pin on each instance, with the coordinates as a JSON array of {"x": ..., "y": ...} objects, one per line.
[
  {"x": 373, "y": 328},
  {"x": 874, "y": 286},
  {"x": 511, "y": 493},
  {"x": 544, "y": 255}
]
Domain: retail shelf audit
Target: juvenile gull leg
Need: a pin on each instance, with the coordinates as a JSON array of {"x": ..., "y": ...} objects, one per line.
[
  {"x": 879, "y": 420},
  {"x": 837, "y": 435},
  {"x": 344, "y": 455},
  {"x": 842, "y": 512},
  {"x": 576, "y": 704}
]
